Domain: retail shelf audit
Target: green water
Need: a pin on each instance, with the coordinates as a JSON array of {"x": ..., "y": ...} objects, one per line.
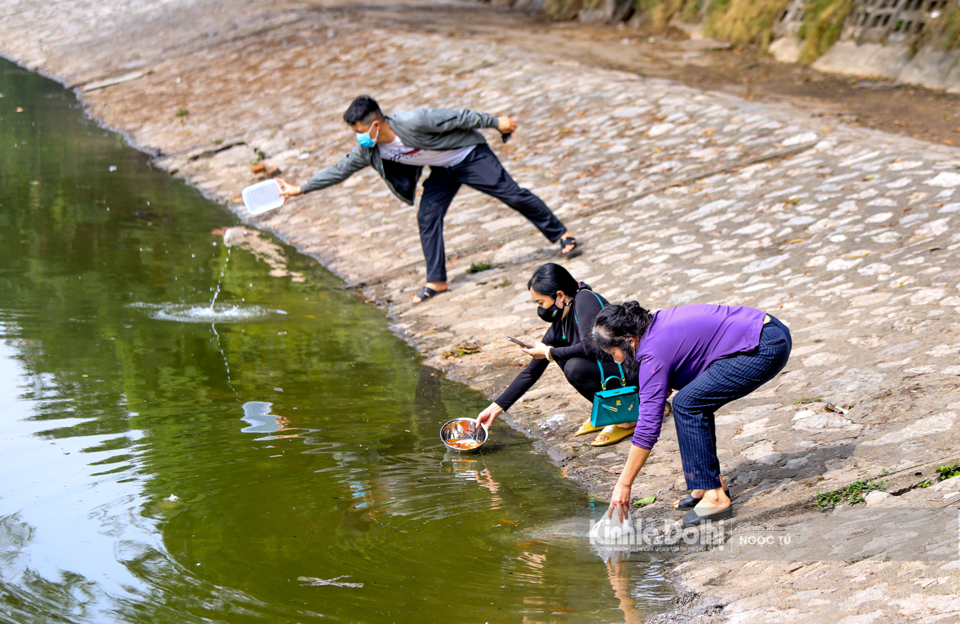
[{"x": 159, "y": 470}]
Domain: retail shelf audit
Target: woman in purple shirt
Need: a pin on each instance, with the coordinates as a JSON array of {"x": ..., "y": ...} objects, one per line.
[{"x": 712, "y": 355}]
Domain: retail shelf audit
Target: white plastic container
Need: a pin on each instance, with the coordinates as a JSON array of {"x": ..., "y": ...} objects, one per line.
[
  {"x": 609, "y": 530},
  {"x": 262, "y": 197}
]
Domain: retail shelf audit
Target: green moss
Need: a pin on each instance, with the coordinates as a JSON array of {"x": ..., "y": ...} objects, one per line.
[
  {"x": 821, "y": 27},
  {"x": 742, "y": 22},
  {"x": 851, "y": 494},
  {"x": 659, "y": 13},
  {"x": 477, "y": 267}
]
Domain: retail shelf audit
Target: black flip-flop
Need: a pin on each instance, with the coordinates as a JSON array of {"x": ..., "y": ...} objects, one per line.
[
  {"x": 427, "y": 293},
  {"x": 568, "y": 240},
  {"x": 693, "y": 519},
  {"x": 690, "y": 502}
]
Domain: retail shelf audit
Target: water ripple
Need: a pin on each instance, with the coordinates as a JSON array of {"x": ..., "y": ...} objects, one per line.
[{"x": 194, "y": 313}]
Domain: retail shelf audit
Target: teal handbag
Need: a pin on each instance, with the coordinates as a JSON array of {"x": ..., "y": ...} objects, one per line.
[
  {"x": 617, "y": 406},
  {"x": 613, "y": 407}
]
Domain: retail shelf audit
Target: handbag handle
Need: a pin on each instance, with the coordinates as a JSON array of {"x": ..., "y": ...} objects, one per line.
[{"x": 603, "y": 382}]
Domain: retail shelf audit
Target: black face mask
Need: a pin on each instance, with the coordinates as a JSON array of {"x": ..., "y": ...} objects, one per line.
[
  {"x": 551, "y": 314},
  {"x": 630, "y": 367}
]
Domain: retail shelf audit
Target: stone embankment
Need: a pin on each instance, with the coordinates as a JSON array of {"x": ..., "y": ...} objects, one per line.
[
  {"x": 678, "y": 196},
  {"x": 908, "y": 41}
]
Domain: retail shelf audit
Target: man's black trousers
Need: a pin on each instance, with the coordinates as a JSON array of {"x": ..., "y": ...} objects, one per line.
[{"x": 482, "y": 171}]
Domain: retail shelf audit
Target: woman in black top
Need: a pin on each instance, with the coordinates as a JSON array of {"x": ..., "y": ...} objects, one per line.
[{"x": 571, "y": 308}]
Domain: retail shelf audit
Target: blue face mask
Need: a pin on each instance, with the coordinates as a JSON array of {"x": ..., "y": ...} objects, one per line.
[{"x": 365, "y": 140}]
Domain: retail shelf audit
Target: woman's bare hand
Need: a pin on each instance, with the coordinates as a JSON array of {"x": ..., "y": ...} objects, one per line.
[
  {"x": 620, "y": 501},
  {"x": 488, "y": 415},
  {"x": 538, "y": 351}
]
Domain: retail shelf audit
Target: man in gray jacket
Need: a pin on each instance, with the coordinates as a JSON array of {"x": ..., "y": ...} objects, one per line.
[{"x": 399, "y": 146}]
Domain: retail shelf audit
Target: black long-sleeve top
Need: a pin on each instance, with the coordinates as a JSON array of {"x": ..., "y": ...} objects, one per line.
[{"x": 569, "y": 338}]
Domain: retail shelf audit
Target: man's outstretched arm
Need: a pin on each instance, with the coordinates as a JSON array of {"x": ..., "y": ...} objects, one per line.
[
  {"x": 445, "y": 120},
  {"x": 332, "y": 175}
]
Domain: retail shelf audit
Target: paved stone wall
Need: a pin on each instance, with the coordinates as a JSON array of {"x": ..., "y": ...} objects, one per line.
[
  {"x": 678, "y": 196},
  {"x": 874, "y": 20},
  {"x": 876, "y": 41},
  {"x": 894, "y": 20}
]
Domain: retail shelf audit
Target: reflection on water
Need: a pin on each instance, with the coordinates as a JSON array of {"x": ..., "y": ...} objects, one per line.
[
  {"x": 473, "y": 468},
  {"x": 179, "y": 472},
  {"x": 257, "y": 415},
  {"x": 262, "y": 247},
  {"x": 619, "y": 573}
]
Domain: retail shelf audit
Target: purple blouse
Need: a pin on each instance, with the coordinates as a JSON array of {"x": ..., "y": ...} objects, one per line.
[{"x": 678, "y": 346}]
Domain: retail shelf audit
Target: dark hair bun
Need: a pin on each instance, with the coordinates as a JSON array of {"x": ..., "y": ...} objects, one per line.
[
  {"x": 616, "y": 323},
  {"x": 634, "y": 309}
]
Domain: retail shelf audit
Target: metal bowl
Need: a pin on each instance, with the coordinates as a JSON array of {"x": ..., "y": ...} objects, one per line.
[{"x": 464, "y": 435}]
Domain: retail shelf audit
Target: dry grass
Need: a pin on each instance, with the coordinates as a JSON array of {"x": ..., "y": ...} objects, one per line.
[
  {"x": 822, "y": 23},
  {"x": 562, "y": 10},
  {"x": 742, "y": 22},
  {"x": 747, "y": 22},
  {"x": 943, "y": 32},
  {"x": 659, "y": 13}
]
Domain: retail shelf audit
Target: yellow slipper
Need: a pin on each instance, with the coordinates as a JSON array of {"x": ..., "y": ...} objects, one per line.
[
  {"x": 586, "y": 427},
  {"x": 613, "y": 434}
]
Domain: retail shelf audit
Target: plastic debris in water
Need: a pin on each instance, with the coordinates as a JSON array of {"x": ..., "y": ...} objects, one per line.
[
  {"x": 313, "y": 581},
  {"x": 172, "y": 498}
]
